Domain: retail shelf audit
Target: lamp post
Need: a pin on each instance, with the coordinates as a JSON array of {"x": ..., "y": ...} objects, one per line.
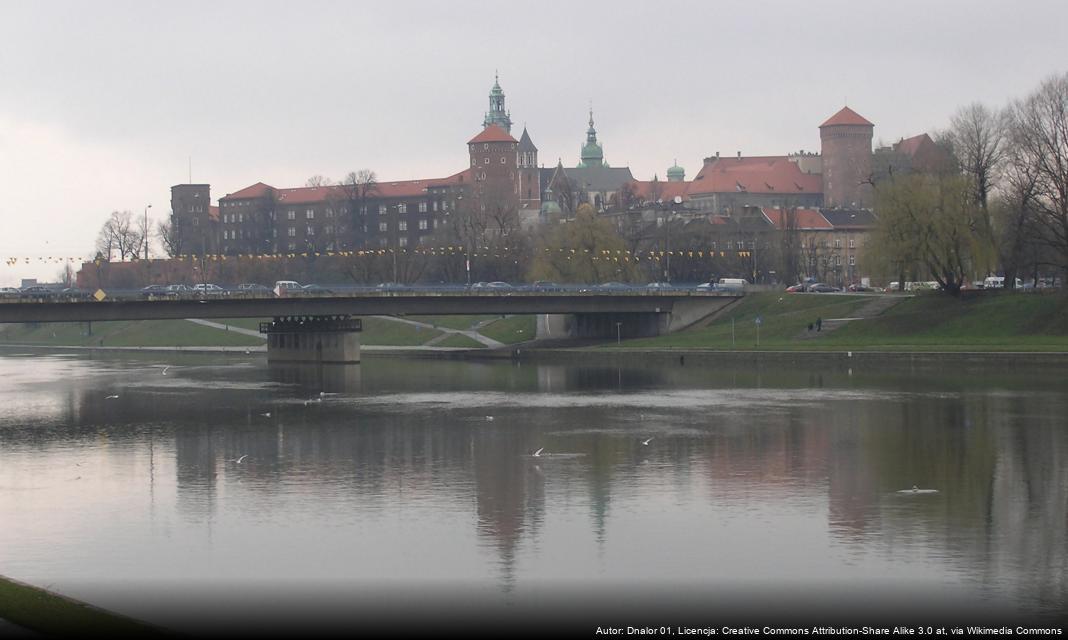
[{"x": 145, "y": 239}]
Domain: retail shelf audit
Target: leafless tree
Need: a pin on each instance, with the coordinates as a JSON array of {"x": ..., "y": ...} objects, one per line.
[
  {"x": 119, "y": 234},
  {"x": 1039, "y": 136},
  {"x": 977, "y": 138},
  {"x": 358, "y": 189},
  {"x": 318, "y": 181},
  {"x": 169, "y": 238}
]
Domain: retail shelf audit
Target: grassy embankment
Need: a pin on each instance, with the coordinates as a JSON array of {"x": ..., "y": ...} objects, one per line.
[
  {"x": 927, "y": 322},
  {"x": 180, "y": 333},
  {"x": 52, "y": 615}
]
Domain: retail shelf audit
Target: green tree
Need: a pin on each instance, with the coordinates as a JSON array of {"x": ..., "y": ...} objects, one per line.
[
  {"x": 931, "y": 225},
  {"x": 582, "y": 250}
]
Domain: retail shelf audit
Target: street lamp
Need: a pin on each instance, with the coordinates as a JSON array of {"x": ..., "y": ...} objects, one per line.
[{"x": 145, "y": 239}]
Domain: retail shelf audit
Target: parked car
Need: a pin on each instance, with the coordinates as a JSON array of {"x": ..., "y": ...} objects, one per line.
[
  {"x": 797, "y": 288},
  {"x": 178, "y": 290},
  {"x": 154, "y": 290},
  {"x": 205, "y": 289},
  {"x": 282, "y": 288},
  {"x": 37, "y": 291},
  {"x": 737, "y": 284},
  {"x": 820, "y": 287},
  {"x": 74, "y": 293},
  {"x": 707, "y": 286},
  {"x": 660, "y": 286},
  {"x": 859, "y": 288},
  {"x": 545, "y": 285},
  {"x": 391, "y": 286},
  {"x": 315, "y": 290},
  {"x": 499, "y": 286},
  {"x": 251, "y": 288},
  {"x": 612, "y": 286}
]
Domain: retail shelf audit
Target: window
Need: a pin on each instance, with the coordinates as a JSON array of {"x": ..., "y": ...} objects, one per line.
[
  {"x": 402, "y": 208},
  {"x": 403, "y": 241},
  {"x": 274, "y": 233},
  {"x": 486, "y": 161},
  {"x": 240, "y": 217},
  {"x": 310, "y": 230},
  {"x": 838, "y": 261},
  {"x": 402, "y": 225},
  {"x": 329, "y": 213},
  {"x": 852, "y": 261},
  {"x": 196, "y": 221},
  {"x": 381, "y": 242},
  {"x": 363, "y": 210},
  {"x": 422, "y": 207},
  {"x": 329, "y": 229},
  {"x": 852, "y": 243},
  {"x": 382, "y": 227},
  {"x": 291, "y": 215},
  {"x": 381, "y": 209},
  {"x": 292, "y": 247},
  {"x": 310, "y": 213},
  {"x": 485, "y": 147},
  {"x": 422, "y": 224},
  {"x": 292, "y": 233},
  {"x": 502, "y": 160},
  {"x": 740, "y": 245},
  {"x": 837, "y": 243},
  {"x": 435, "y": 205}
]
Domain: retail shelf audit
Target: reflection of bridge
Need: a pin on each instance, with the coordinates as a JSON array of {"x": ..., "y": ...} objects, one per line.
[{"x": 568, "y": 314}]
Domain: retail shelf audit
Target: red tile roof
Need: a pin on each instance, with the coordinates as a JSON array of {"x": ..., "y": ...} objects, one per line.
[
  {"x": 257, "y": 190},
  {"x": 765, "y": 174},
  {"x": 492, "y": 133},
  {"x": 909, "y": 146},
  {"x": 846, "y": 117},
  {"x": 807, "y": 219},
  {"x": 213, "y": 212},
  {"x": 665, "y": 190}
]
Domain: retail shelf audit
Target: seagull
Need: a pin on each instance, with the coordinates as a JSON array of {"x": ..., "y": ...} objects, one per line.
[
  {"x": 489, "y": 418},
  {"x": 266, "y": 415},
  {"x": 647, "y": 441},
  {"x": 537, "y": 454},
  {"x": 111, "y": 397},
  {"x": 239, "y": 460},
  {"x": 165, "y": 370},
  {"x": 248, "y": 351}
]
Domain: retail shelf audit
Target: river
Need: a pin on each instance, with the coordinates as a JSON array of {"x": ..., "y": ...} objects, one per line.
[{"x": 215, "y": 491}]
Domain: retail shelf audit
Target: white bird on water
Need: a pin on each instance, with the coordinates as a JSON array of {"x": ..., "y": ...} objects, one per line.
[
  {"x": 537, "y": 454},
  {"x": 647, "y": 441},
  {"x": 111, "y": 397},
  {"x": 489, "y": 418},
  {"x": 165, "y": 370},
  {"x": 240, "y": 460},
  {"x": 266, "y": 415},
  {"x": 918, "y": 490}
]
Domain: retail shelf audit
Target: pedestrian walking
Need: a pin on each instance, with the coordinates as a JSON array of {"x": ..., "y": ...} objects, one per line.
[{"x": 819, "y": 324}]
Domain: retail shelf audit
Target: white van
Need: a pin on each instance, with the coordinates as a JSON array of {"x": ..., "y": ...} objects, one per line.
[
  {"x": 737, "y": 284},
  {"x": 282, "y": 288},
  {"x": 998, "y": 282}
]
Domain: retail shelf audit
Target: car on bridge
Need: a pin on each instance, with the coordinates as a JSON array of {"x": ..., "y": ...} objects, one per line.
[
  {"x": 660, "y": 286},
  {"x": 154, "y": 290},
  {"x": 545, "y": 285},
  {"x": 315, "y": 290},
  {"x": 205, "y": 289},
  {"x": 178, "y": 291},
  {"x": 820, "y": 287},
  {"x": 610, "y": 287},
  {"x": 37, "y": 291},
  {"x": 392, "y": 286},
  {"x": 9, "y": 292},
  {"x": 283, "y": 288},
  {"x": 73, "y": 294},
  {"x": 707, "y": 286}
]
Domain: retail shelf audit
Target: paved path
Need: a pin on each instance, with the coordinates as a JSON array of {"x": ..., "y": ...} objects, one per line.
[
  {"x": 470, "y": 333},
  {"x": 228, "y": 327},
  {"x": 877, "y": 306}
]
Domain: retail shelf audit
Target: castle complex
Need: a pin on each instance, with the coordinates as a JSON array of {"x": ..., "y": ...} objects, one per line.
[{"x": 504, "y": 177}]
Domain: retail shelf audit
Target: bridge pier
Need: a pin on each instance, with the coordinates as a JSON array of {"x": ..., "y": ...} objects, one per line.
[
  {"x": 319, "y": 339},
  {"x": 610, "y": 325}
]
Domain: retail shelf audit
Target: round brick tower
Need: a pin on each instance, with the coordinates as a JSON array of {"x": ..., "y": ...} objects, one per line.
[{"x": 845, "y": 140}]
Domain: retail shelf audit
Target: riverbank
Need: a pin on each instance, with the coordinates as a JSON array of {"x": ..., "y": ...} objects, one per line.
[{"x": 43, "y": 612}]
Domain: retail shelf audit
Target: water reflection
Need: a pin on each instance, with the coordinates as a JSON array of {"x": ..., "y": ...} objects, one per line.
[{"x": 420, "y": 472}]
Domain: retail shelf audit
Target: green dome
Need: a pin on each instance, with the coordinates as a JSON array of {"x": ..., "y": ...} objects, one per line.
[{"x": 676, "y": 173}]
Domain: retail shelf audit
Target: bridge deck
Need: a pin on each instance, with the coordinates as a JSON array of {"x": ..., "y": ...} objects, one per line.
[{"x": 364, "y": 304}]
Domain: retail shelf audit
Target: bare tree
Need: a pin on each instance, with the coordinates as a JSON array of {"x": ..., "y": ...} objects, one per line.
[
  {"x": 977, "y": 138},
  {"x": 119, "y": 234},
  {"x": 318, "y": 181},
  {"x": 169, "y": 238},
  {"x": 359, "y": 187},
  {"x": 1039, "y": 134}
]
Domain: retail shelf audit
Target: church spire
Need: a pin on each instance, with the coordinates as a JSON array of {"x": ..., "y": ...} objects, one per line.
[
  {"x": 497, "y": 113},
  {"x": 592, "y": 153}
]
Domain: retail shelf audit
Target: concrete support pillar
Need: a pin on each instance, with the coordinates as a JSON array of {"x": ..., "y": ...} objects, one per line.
[{"x": 319, "y": 339}]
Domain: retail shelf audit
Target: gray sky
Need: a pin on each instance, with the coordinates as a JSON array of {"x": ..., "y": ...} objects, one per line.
[{"x": 104, "y": 103}]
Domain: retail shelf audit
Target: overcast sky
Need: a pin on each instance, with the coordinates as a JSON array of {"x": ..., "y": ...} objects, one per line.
[{"x": 104, "y": 103}]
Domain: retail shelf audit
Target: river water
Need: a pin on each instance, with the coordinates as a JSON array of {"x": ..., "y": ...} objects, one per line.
[{"x": 220, "y": 491}]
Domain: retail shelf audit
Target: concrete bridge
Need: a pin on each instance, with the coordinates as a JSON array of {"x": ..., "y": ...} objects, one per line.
[{"x": 325, "y": 328}]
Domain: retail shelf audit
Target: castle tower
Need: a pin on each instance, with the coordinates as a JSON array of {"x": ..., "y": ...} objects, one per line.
[
  {"x": 494, "y": 169},
  {"x": 191, "y": 219},
  {"x": 845, "y": 140},
  {"x": 592, "y": 153},
  {"x": 497, "y": 114},
  {"x": 529, "y": 176}
]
